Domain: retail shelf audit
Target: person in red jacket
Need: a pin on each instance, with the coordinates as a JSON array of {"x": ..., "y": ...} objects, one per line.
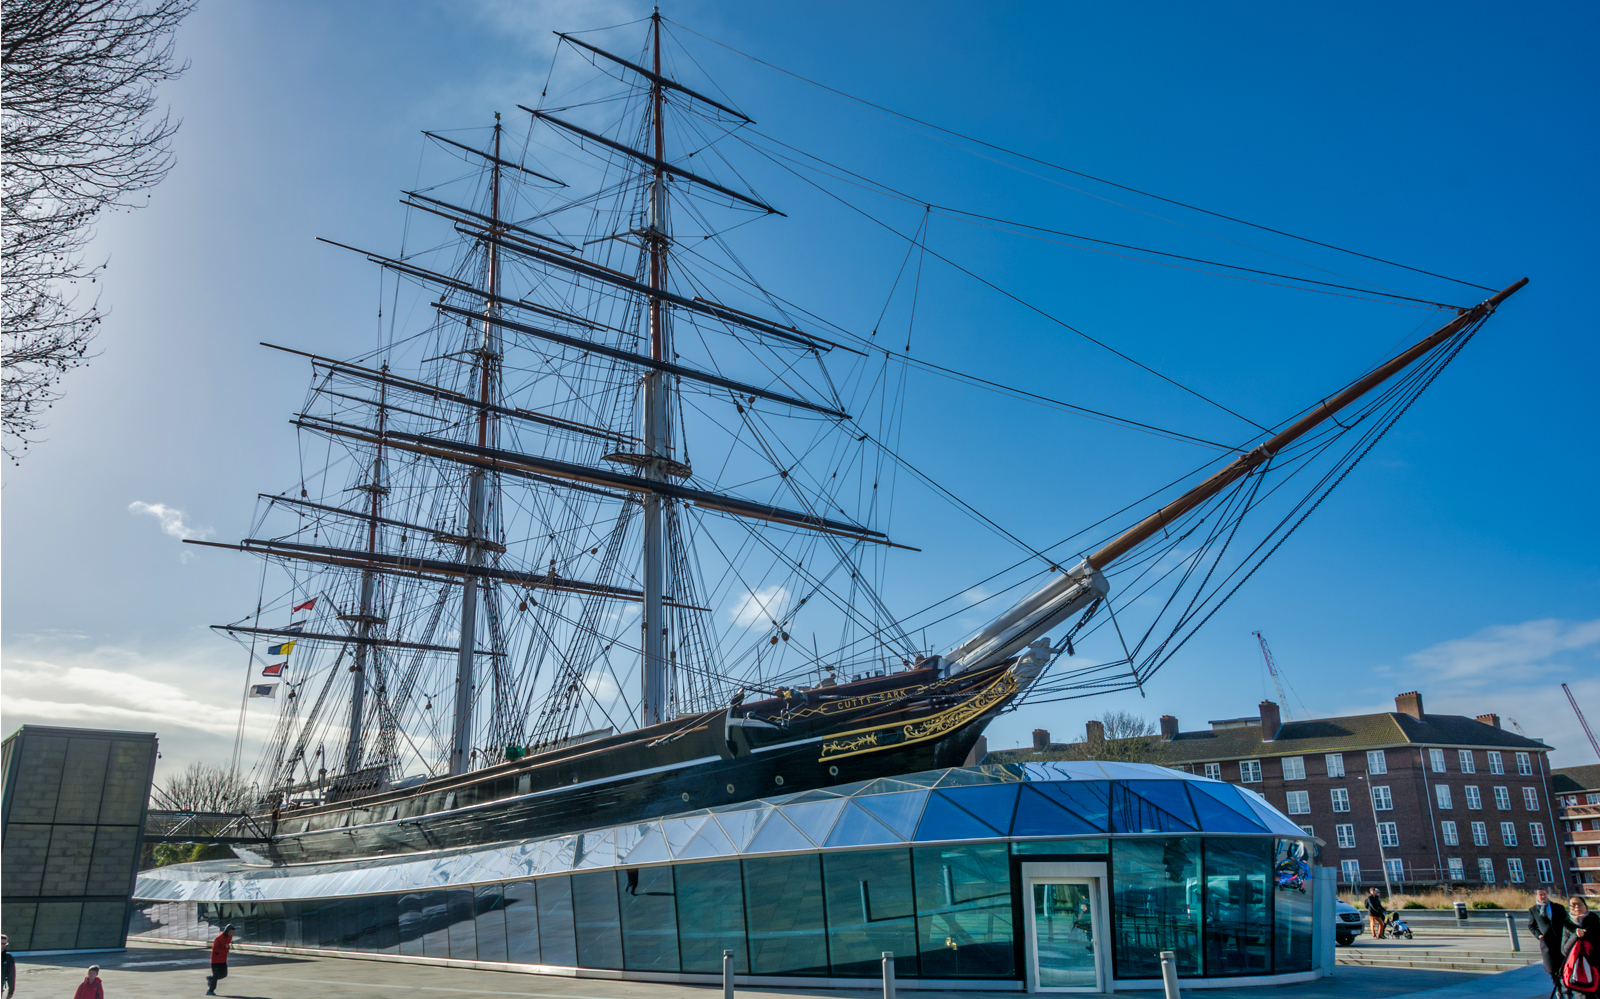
[
  {"x": 219, "y": 959},
  {"x": 91, "y": 986}
]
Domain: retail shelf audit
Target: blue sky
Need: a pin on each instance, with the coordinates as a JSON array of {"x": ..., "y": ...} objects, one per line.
[{"x": 1460, "y": 559}]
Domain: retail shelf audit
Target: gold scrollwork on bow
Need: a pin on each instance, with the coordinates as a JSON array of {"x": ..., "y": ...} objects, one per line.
[{"x": 883, "y": 736}]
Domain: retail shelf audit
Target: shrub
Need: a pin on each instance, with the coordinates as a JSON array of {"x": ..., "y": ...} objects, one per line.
[
  {"x": 1485, "y": 905},
  {"x": 1413, "y": 905}
]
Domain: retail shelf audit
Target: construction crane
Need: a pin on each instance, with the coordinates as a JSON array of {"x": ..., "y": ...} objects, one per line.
[
  {"x": 1581, "y": 720},
  {"x": 1277, "y": 681}
]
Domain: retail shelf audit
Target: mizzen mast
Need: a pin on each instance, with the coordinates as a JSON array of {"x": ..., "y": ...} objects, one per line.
[
  {"x": 479, "y": 484},
  {"x": 657, "y": 407}
]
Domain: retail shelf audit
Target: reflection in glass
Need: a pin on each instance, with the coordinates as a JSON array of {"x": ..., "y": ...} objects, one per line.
[
  {"x": 649, "y": 919},
  {"x": 411, "y": 923},
  {"x": 594, "y": 915},
  {"x": 964, "y": 911},
  {"x": 870, "y": 911},
  {"x": 783, "y": 907},
  {"x": 387, "y": 908},
  {"x": 556, "y": 942},
  {"x": 1238, "y": 930},
  {"x": 491, "y": 922},
  {"x": 1156, "y": 905},
  {"x": 1063, "y": 929},
  {"x": 1291, "y": 906},
  {"x": 711, "y": 916},
  {"x": 1148, "y": 806},
  {"x": 435, "y": 924},
  {"x": 522, "y": 923},
  {"x": 1059, "y": 846},
  {"x": 459, "y": 912}
]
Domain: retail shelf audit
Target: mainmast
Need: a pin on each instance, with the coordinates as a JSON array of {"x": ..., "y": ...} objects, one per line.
[
  {"x": 364, "y": 618},
  {"x": 657, "y": 428},
  {"x": 479, "y": 484}
]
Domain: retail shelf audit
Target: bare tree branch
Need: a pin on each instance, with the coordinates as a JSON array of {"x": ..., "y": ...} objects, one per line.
[
  {"x": 79, "y": 134},
  {"x": 203, "y": 788}
]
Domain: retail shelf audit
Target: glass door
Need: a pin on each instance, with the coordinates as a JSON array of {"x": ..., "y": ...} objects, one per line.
[{"x": 1063, "y": 929}]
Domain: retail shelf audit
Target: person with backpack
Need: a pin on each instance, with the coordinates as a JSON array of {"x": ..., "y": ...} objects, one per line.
[{"x": 1580, "y": 947}]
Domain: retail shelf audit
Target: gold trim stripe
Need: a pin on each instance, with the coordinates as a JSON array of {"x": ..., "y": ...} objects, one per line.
[{"x": 868, "y": 740}]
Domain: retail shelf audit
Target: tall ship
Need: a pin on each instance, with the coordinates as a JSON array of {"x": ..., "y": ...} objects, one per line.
[{"x": 564, "y": 540}]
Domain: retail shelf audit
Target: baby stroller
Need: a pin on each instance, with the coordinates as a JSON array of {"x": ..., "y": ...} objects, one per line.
[{"x": 1396, "y": 927}]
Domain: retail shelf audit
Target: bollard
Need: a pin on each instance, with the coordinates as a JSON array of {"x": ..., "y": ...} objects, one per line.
[
  {"x": 1511, "y": 931},
  {"x": 1169, "y": 974},
  {"x": 888, "y": 974},
  {"x": 727, "y": 974},
  {"x": 1461, "y": 911}
]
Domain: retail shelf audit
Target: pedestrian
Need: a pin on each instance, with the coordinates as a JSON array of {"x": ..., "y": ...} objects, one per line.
[
  {"x": 1546, "y": 921},
  {"x": 8, "y": 967},
  {"x": 1376, "y": 913},
  {"x": 90, "y": 987},
  {"x": 1583, "y": 925},
  {"x": 219, "y": 959}
]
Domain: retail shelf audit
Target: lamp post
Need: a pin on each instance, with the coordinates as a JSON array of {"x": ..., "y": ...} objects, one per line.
[{"x": 1372, "y": 803}]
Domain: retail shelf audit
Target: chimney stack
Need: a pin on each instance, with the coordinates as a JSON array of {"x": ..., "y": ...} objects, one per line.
[
  {"x": 1169, "y": 728},
  {"x": 1041, "y": 740},
  {"x": 1409, "y": 704},
  {"x": 1096, "y": 731},
  {"x": 1490, "y": 719},
  {"x": 1269, "y": 721}
]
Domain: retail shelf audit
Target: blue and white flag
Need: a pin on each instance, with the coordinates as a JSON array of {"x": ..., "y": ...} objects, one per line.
[{"x": 264, "y": 690}]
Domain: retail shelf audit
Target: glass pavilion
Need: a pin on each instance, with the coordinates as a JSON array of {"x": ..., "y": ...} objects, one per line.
[{"x": 1039, "y": 876}]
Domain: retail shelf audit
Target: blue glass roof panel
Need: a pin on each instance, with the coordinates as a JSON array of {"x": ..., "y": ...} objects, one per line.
[
  {"x": 741, "y": 825},
  {"x": 1039, "y": 816},
  {"x": 815, "y": 818},
  {"x": 1221, "y": 808},
  {"x": 857, "y": 827},
  {"x": 944, "y": 819},
  {"x": 899, "y": 812},
  {"x": 710, "y": 841},
  {"x": 777, "y": 835},
  {"x": 995, "y": 803},
  {"x": 1089, "y": 800},
  {"x": 1138, "y": 812}
]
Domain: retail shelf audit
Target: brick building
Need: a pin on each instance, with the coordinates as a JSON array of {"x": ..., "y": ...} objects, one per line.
[
  {"x": 1578, "y": 809},
  {"x": 1403, "y": 797}
]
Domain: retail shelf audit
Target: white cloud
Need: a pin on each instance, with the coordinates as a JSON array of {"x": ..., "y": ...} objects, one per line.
[
  {"x": 1509, "y": 652},
  {"x": 759, "y": 606},
  {"x": 171, "y": 519}
]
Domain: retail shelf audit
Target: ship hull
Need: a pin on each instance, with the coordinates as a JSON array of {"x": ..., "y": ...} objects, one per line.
[{"x": 710, "y": 764}]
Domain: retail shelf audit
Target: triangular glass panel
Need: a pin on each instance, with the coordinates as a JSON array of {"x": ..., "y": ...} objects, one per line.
[
  {"x": 854, "y": 787},
  {"x": 741, "y": 825},
  {"x": 1135, "y": 771},
  {"x": 1221, "y": 809},
  {"x": 710, "y": 841},
  {"x": 1089, "y": 800},
  {"x": 818, "y": 795},
  {"x": 994, "y": 802},
  {"x": 558, "y": 855},
  {"x": 899, "y": 812},
  {"x": 1138, "y": 807},
  {"x": 777, "y": 835},
  {"x": 944, "y": 819},
  {"x": 628, "y": 836},
  {"x": 926, "y": 778},
  {"x": 737, "y": 806},
  {"x": 814, "y": 818},
  {"x": 857, "y": 827},
  {"x": 885, "y": 785},
  {"x": 680, "y": 831},
  {"x": 651, "y": 849},
  {"x": 970, "y": 775},
  {"x": 595, "y": 850},
  {"x": 1275, "y": 820},
  {"x": 1037, "y": 815}
]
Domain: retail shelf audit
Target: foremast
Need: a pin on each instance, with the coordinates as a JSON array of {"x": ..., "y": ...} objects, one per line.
[
  {"x": 657, "y": 405},
  {"x": 480, "y": 483}
]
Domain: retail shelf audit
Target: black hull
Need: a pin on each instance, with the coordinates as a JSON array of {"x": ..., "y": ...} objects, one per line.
[{"x": 710, "y": 764}]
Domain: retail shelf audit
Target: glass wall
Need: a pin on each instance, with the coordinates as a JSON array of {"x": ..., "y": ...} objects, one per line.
[{"x": 1225, "y": 906}]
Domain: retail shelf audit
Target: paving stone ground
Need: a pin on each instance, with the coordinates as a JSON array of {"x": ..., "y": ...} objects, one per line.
[{"x": 161, "y": 972}]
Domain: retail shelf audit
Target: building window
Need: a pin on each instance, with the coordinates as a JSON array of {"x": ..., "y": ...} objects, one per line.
[
  {"x": 1345, "y": 833},
  {"x": 964, "y": 892},
  {"x": 1395, "y": 869},
  {"x": 1150, "y": 876},
  {"x": 1508, "y": 833},
  {"x": 1294, "y": 768},
  {"x": 1480, "y": 834},
  {"x": 1473, "y": 801},
  {"x": 1547, "y": 874},
  {"x": 1590, "y": 799},
  {"x": 1299, "y": 802},
  {"x": 1341, "y": 799},
  {"x": 1458, "y": 870},
  {"x": 1536, "y": 833},
  {"x": 1495, "y": 764},
  {"x": 1382, "y": 800},
  {"x": 1250, "y": 771},
  {"x": 1350, "y": 871},
  {"x": 1335, "y": 764},
  {"x": 1388, "y": 834},
  {"x": 1514, "y": 870},
  {"x": 1436, "y": 760},
  {"x": 1450, "y": 836},
  {"x": 1502, "y": 798},
  {"x": 1524, "y": 764},
  {"x": 1467, "y": 766},
  {"x": 1214, "y": 771},
  {"x": 1486, "y": 870},
  {"x": 1441, "y": 794},
  {"x": 1309, "y": 831},
  {"x": 1530, "y": 797},
  {"x": 1377, "y": 763},
  {"x": 867, "y": 897}
]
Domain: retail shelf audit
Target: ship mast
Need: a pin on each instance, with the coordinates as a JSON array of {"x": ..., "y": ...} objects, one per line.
[
  {"x": 657, "y": 428},
  {"x": 478, "y": 484},
  {"x": 364, "y": 617}
]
